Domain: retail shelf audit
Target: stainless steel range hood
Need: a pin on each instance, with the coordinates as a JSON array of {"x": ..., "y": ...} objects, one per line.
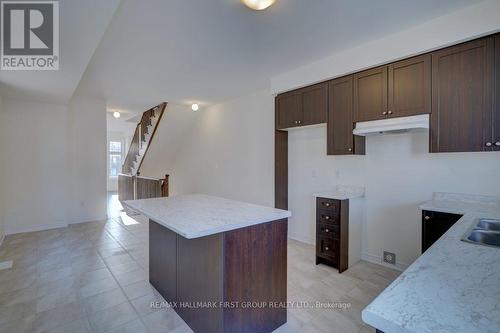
[{"x": 393, "y": 125}]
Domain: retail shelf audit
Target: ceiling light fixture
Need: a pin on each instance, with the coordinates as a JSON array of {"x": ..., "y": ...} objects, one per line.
[
  {"x": 258, "y": 4},
  {"x": 195, "y": 107},
  {"x": 116, "y": 114}
]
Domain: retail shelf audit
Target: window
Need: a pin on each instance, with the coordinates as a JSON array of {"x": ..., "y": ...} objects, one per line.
[
  {"x": 115, "y": 147},
  {"x": 115, "y": 158}
]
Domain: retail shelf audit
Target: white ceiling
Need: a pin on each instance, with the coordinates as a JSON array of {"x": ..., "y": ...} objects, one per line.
[
  {"x": 81, "y": 27},
  {"x": 183, "y": 51}
]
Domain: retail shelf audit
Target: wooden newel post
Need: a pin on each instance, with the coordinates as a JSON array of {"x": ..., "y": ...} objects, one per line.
[{"x": 164, "y": 186}]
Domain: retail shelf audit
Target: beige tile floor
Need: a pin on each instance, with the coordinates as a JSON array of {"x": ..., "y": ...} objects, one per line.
[{"x": 93, "y": 277}]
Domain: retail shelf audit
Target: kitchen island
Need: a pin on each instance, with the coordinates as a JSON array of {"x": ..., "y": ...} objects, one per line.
[{"x": 221, "y": 264}]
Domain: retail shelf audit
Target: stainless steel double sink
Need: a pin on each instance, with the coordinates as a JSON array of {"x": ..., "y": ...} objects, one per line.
[{"x": 484, "y": 232}]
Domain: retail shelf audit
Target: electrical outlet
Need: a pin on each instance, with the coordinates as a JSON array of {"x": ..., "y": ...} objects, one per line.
[{"x": 390, "y": 258}]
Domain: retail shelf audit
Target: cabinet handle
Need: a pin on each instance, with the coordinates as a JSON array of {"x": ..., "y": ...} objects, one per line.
[
  {"x": 326, "y": 230},
  {"x": 327, "y": 204},
  {"x": 299, "y": 121},
  {"x": 350, "y": 149},
  {"x": 326, "y": 217},
  {"x": 427, "y": 218},
  {"x": 326, "y": 248},
  {"x": 384, "y": 113},
  {"x": 390, "y": 112},
  {"x": 497, "y": 143},
  {"x": 488, "y": 144}
]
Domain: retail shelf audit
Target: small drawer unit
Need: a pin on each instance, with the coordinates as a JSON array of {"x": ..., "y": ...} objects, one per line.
[
  {"x": 328, "y": 248},
  {"x": 329, "y": 205},
  {"x": 327, "y": 230},
  {"x": 327, "y": 217},
  {"x": 332, "y": 218}
]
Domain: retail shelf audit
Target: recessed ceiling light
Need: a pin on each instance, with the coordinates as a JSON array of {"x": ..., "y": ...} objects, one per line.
[
  {"x": 116, "y": 114},
  {"x": 195, "y": 107},
  {"x": 258, "y": 4}
]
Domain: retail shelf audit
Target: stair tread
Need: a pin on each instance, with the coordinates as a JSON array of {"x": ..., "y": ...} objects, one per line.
[{"x": 154, "y": 114}]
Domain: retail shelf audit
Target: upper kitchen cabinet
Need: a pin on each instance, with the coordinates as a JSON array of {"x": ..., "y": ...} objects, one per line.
[
  {"x": 340, "y": 140},
  {"x": 288, "y": 109},
  {"x": 496, "y": 109},
  {"x": 410, "y": 87},
  {"x": 462, "y": 87},
  {"x": 315, "y": 104},
  {"x": 397, "y": 90},
  {"x": 370, "y": 94},
  {"x": 306, "y": 106}
]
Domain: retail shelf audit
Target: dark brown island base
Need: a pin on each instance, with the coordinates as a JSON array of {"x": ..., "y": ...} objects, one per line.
[
  {"x": 233, "y": 281},
  {"x": 221, "y": 264}
]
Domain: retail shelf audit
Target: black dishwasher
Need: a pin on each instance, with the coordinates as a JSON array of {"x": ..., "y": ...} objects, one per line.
[{"x": 434, "y": 225}]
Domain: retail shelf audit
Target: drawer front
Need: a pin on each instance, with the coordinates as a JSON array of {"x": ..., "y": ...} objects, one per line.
[
  {"x": 327, "y": 217},
  {"x": 327, "y": 204},
  {"x": 327, "y": 230},
  {"x": 328, "y": 248}
]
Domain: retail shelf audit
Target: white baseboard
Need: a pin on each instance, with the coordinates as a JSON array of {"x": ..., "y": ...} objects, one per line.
[
  {"x": 374, "y": 259},
  {"x": 85, "y": 220},
  {"x": 18, "y": 230},
  {"x": 22, "y": 229},
  {"x": 302, "y": 239}
]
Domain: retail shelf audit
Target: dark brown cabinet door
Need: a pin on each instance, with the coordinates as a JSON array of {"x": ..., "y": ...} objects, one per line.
[
  {"x": 340, "y": 140},
  {"x": 435, "y": 225},
  {"x": 289, "y": 106},
  {"x": 496, "y": 108},
  {"x": 410, "y": 87},
  {"x": 306, "y": 106},
  {"x": 163, "y": 260},
  {"x": 462, "y": 83},
  {"x": 314, "y": 104},
  {"x": 370, "y": 94}
]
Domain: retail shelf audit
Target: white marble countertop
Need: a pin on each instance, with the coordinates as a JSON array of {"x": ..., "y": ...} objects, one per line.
[
  {"x": 198, "y": 215},
  {"x": 342, "y": 192},
  {"x": 453, "y": 287}
]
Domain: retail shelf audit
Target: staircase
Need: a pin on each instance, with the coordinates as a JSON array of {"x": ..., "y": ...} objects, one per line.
[
  {"x": 143, "y": 135},
  {"x": 131, "y": 185}
]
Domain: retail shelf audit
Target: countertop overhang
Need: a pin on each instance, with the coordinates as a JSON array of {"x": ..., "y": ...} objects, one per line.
[
  {"x": 453, "y": 287},
  {"x": 199, "y": 215}
]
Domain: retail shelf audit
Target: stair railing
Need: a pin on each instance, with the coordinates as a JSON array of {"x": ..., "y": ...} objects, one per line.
[
  {"x": 133, "y": 151},
  {"x": 131, "y": 185},
  {"x": 139, "y": 141},
  {"x": 138, "y": 187}
]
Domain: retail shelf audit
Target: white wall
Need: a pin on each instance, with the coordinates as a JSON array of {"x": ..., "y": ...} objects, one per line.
[
  {"x": 86, "y": 158},
  {"x": 398, "y": 173},
  {"x": 229, "y": 151},
  {"x": 53, "y": 164},
  {"x": 34, "y": 165},
  {"x": 174, "y": 129},
  {"x": 452, "y": 28}
]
